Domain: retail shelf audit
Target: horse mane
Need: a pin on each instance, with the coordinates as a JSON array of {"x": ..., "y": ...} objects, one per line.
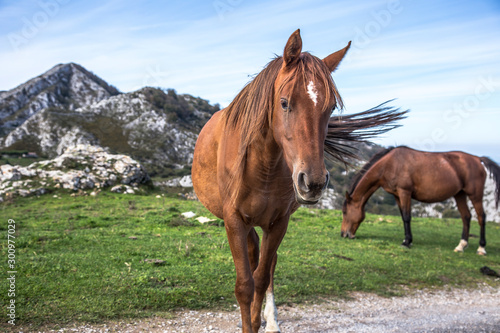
[
  {"x": 251, "y": 110},
  {"x": 375, "y": 158},
  {"x": 345, "y": 131}
]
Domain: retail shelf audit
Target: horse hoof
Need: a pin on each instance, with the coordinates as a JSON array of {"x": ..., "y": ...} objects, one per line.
[
  {"x": 272, "y": 329},
  {"x": 461, "y": 246},
  {"x": 481, "y": 253}
]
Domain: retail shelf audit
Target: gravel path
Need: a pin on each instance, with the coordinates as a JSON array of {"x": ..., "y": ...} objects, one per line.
[{"x": 451, "y": 310}]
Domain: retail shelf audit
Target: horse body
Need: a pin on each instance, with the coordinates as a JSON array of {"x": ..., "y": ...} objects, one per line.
[
  {"x": 262, "y": 156},
  {"x": 448, "y": 172},
  {"x": 424, "y": 176}
]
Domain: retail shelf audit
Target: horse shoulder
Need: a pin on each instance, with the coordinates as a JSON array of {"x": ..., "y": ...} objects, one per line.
[{"x": 391, "y": 170}]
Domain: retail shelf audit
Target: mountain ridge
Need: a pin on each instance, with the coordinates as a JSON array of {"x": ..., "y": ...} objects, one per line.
[
  {"x": 69, "y": 105},
  {"x": 61, "y": 86}
]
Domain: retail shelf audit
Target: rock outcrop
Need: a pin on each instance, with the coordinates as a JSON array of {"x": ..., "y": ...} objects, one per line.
[{"x": 80, "y": 167}]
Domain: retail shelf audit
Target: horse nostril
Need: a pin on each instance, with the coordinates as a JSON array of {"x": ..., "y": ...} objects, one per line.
[
  {"x": 302, "y": 182},
  {"x": 327, "y": 180}
]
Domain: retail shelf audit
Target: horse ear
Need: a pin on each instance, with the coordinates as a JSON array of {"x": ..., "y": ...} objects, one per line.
[
  {"x": 347, "y": 197},
  {"x": 334, "y": 59},
  {"x": 293, "y": 49}
]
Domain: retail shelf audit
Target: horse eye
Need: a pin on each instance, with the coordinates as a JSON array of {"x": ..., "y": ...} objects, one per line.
[{"x": 284, "y": 104}]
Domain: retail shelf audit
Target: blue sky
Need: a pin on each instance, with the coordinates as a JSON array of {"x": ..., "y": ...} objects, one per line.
[{"x": 441, "y": 59}]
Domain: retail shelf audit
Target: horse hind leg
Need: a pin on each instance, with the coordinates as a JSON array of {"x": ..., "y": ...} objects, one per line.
[
  {"x": 253, "y": 249},
  {"x": 270, "y": 310},
  {"x": 461, "y": 200},
  {"x": 481, "y": 219}
]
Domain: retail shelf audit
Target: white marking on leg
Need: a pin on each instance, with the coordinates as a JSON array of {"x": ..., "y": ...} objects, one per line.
[
  {"x": 271, "y": 314},
  {"x": 481, "y": 251},
  {"x": 313, "y": 94},
  {"x": 461, "y": 246}
]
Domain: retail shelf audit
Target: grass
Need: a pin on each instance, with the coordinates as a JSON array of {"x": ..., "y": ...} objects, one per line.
[
  {"x": 84, "y": 258},
  {"x": 22, "y": 161}
]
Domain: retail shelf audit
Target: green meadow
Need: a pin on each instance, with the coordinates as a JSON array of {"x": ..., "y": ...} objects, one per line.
[{"x": 116, "y": 256}]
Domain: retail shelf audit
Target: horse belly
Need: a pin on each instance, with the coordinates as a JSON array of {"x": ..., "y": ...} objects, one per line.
[
  {"x": 204, "y": 169},
  {"x": 436, "y": 189}
]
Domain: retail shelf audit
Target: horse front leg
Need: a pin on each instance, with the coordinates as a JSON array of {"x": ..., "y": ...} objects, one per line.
[
  {"x": 264, "y": 274},
  {"x": 404, "y": 203},
  {"x": 238, "y": 235}
]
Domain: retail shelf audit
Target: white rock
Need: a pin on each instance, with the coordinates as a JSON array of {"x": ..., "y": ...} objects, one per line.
[
  {"x": 188, "y": 215},
  {"x": 79, "y": 167}
]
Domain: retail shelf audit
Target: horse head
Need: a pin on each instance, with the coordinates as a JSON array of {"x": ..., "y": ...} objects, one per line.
[
  {"x": 304, "y": 98},
  {"x": 352, "y": 216}
]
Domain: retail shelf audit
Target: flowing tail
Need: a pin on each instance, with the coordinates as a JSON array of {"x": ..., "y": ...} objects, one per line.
[
  {"x": 494, "y": 170},
  {"x": 346, "y": 130}
]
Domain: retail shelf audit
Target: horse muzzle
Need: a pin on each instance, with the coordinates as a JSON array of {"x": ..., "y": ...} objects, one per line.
[
  {"x": 309, "y": 190},
  {"x": 346, "y": 234}
]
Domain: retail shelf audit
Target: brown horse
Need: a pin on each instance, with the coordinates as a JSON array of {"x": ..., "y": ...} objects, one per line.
[
  {"x": 261, "y": 157},
  {"x": 427, "y": 177}
]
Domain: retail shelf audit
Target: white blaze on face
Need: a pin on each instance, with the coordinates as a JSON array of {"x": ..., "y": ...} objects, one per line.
[{"x": 313, "y": 93}]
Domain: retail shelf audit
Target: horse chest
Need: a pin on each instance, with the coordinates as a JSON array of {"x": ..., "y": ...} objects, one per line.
[{"x": 261, "y": 205}]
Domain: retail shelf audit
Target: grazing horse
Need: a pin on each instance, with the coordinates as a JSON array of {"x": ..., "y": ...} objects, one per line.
[
  {"x": 261, "y": 157},
  {"x": 427, "y": 177}
]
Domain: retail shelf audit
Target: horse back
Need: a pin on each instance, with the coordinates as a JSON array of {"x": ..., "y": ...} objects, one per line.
[{"x": 434, "y": 176}]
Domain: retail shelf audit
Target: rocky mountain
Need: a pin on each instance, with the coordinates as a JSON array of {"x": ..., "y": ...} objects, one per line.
[
  {"x": 66, "y": 86},
  {"x": 69, "y": 105}
]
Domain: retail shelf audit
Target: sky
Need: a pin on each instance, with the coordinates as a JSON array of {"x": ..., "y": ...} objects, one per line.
[{"x": 440, "y": 59}]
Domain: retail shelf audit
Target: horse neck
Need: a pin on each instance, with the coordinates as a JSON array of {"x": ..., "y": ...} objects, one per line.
[
  {"x": 265, "y": 153},
  {"x": 367, "y": 185}
]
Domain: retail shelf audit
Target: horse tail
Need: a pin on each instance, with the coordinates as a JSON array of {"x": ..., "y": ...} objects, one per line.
[{"x": 494, "y": 170}]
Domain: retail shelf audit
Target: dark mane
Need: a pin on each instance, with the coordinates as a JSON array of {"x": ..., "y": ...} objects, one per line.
[
  {"x": 375, "y": 158},
  {"x": 251, "y": 110}
]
